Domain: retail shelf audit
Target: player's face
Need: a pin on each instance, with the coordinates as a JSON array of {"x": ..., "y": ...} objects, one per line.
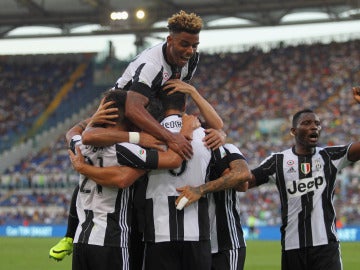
[
  {"x": 307, "y": 131},
  {"x": 181, "y": 47}
]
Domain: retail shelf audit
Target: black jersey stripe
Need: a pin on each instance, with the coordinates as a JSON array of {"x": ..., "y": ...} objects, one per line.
[
  {"x": 149, "y": 234},
  {"x": 203, "y": 219},
  {"x": 86, "y": 226},
  {"x": 176, "y": 221}
]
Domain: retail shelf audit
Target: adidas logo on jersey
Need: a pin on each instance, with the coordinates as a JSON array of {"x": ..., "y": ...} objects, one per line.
[
  {"x": 303, "y": 186},
  {"x": 291, "y": 170}
]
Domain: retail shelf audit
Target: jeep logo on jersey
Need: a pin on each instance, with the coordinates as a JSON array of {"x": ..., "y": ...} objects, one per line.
[
  {"x": 305, "y": 168},
  {"x": 303, "y": 186},
  {"x": 172, "y": 124}
]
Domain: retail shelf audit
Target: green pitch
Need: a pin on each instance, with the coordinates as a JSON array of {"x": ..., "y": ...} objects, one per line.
[{"x": 32, "y": 253}]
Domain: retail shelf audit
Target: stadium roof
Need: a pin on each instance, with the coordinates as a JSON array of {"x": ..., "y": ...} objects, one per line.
[{"x": 67, "y": 15}]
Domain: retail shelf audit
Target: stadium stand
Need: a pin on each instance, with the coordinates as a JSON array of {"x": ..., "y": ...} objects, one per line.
[{"x": 255, "y": 92}]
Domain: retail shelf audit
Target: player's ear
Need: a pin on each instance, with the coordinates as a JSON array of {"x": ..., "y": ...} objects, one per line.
[{"x": 292, "y": 132}]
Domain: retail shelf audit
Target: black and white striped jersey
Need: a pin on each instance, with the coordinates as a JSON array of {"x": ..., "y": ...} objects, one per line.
[
  {"x": 150, "y": 70},
  {"x": 163, "y": 221},
  {"x": 224, "y": 209},
  {"x": 105, "y": 212},
  {"x": 306, "y": 187}
]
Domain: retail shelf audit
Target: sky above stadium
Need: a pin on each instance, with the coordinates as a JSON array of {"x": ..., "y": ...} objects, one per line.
[{"x": 215, "y": 40}]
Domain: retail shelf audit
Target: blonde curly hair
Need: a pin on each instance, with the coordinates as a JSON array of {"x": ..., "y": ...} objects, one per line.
[{"x": 185, "y": 22}]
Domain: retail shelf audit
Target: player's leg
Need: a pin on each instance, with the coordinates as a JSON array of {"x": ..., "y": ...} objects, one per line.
[
  {"x": 100, "y": 258},
  {"x": 229, "y": 259},
  {"x": 325, "y": 257},
  {"x": 136, "y": 249},
  {"x": 105, "y": 258},
  {"x": 65, "y": 245},
  {"x": 163, "y": 256},
  {"x": 294, "y": 259},
  {"x": 196, "y": 255}
]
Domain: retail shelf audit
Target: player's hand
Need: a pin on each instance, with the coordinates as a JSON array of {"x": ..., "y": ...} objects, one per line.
[
  {"x": 149, "y": 141},
  {"x": 242, "y": 187},
  {"x": 214, "y": 138},
  {"x": 356, "y": 93},
  {"x": 104, "y": 114},
  {"x": 189, "y": 124},
  {"x": 176, "y": 85},
  {"x": 193, "y": 194},
  {"x": 180, "y": 145},
  {"x": 77, "y": 160}
]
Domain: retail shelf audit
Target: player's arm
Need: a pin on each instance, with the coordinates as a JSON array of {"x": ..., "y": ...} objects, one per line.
[
  {"x": 123, "y": 176},
  {"x": 99, "y": 136},
  {"x": 237, "y": 173},
  {"x": 114, "y": 176},
  {"x": 212, "y": 119},
  {"x": 136, "y": 112},
  {"x": 252, "y": 181},
  {"x": 77, "y": 129},
  {"x": 215, "y": 137},
  {"x": 262, "y": 174}
]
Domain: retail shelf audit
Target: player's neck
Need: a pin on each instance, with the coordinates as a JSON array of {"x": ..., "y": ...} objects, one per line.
[
  {"x": 304, "y": 151},
  {"x": 172, "y": 112}
]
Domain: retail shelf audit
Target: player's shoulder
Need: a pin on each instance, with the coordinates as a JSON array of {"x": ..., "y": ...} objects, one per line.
[
  {"x": 232, "y": 148},
  {"x": 153, "y": 55}
]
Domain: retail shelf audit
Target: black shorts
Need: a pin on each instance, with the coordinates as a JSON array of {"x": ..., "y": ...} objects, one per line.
[
  {"x": 313, "y": 258},
  {"x": 233, "y": 259},
  {"x": 92, "y": 257},
  {"x": 178, "y": 255}
]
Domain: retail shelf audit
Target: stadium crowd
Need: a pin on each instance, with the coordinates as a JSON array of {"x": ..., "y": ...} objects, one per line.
[{"x": 255, "y": 92}]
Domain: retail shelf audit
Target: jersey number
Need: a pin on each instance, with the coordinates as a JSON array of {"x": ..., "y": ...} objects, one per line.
[
  {"x": 181, "y": 170},
  {"x": 83, "y": 183}
]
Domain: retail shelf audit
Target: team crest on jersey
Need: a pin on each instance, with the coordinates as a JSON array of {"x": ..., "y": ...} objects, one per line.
[
  {"x": 318, "y": 165},
  {"x": 305, "y": 168},
  {"x": 142, "y": 154}
]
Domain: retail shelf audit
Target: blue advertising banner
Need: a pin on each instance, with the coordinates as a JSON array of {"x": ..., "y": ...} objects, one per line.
[{"x": 350, "y": 233}]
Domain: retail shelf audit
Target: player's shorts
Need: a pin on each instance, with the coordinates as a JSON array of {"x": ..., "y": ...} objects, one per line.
[
  {"x": 233, "y": 259},
  {"x": 178, "y": 255},
  {"x": 312, "y": 258},
  {"x": 88, "y": 257}
]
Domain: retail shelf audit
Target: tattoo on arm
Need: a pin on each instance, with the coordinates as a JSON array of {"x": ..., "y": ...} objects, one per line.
[{"x": 226, "y": 181}]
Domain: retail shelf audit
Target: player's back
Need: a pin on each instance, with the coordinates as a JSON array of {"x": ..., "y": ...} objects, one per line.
[{"x": 163, "y": 221}]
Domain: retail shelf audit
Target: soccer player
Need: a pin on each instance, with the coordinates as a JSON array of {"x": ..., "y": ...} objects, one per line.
[
  {"x": 305, "y": 176},
  {"x": 177, "y": 239},
  {"x": 65, "y": 245},
  {"x": 228, "y": 245},
  {"x": 104, "y": 211},
  {"x": 176, "y": 58}
]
